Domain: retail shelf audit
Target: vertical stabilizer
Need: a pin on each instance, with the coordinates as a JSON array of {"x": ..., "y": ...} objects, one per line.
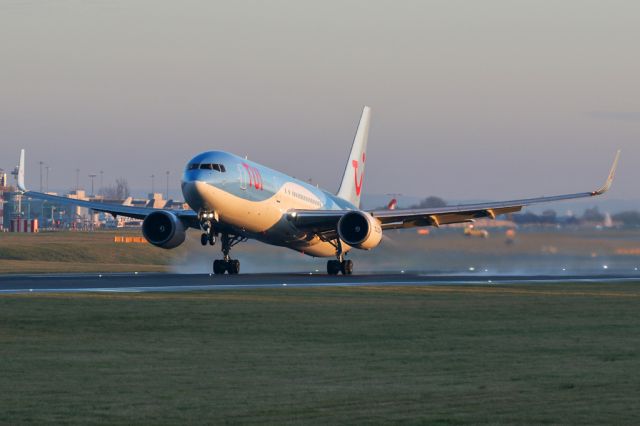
[
  {"x": 351, "y": 186},
  {"x": 20, "y": 173}
]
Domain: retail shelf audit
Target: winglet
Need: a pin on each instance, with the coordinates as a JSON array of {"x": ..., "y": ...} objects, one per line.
[
  {"x": 20, "y": 173},
  {"x": 609, "y": 180}
]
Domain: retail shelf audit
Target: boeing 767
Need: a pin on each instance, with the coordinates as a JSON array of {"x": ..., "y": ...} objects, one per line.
[{"x": 233, "y": 199}]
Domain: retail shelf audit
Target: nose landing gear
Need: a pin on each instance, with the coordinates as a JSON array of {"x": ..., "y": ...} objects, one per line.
[
  {"x": 206, "y": 223},
  {"x": 208, "y": 238}
]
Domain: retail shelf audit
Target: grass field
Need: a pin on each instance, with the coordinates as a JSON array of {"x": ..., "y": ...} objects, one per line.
[
  {"x": 79, "y": 252},
  {"x": 553, "y": 353}
]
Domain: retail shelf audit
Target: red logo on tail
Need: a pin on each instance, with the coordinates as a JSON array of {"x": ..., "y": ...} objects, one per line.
[{"x": 355, "y": 174}]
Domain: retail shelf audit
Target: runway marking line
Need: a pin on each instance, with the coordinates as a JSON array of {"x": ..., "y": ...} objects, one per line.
[
  {"x": 504, "y": 290},
  {"x": 228, "y": 295}
]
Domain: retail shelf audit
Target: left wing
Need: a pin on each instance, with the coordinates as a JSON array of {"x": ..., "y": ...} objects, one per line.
[
  {"x": 323, "y": 222},
  {"x": 188, "y": 216}
]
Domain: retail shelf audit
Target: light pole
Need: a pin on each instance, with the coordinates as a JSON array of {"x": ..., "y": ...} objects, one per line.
[
  {"x": 153, "y": 184},
  {"x": 167, "y": 197},
  {"x": 41, "y": 164},
  {"x": 47, "y": 168},
  {"x": 92, "y": 176},
  {"x": 77, "y": 180},
  {"x": 101, "y": 182}
]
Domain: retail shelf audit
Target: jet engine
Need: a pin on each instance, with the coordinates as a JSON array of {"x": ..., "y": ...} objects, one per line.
[
  {"x": 164, "y": 229},
  {"x": 360, "y": 230}
]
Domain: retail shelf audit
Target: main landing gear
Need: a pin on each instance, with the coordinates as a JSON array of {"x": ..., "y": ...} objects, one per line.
[
  {"x": 334, "y": 267},
  {"x": 220, "y": 266},
  {"x": 232, "y": 266}
]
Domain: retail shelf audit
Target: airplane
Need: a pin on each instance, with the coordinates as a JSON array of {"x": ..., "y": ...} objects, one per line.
[{"x": 233, "y": 199}]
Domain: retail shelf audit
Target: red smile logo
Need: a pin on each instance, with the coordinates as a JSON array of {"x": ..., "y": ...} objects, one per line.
[{"x": 355, "y": 174}]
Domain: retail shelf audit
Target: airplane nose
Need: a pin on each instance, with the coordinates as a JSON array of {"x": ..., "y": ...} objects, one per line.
[{"x": 194, "y": 193}]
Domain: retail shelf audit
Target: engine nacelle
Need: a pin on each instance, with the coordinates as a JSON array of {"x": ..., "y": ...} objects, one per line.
[
  {"x": 164, "y": 229},
  {"x": 360, "y": 230}
]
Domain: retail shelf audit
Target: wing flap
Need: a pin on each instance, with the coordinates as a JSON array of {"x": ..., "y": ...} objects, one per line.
[{"x": 445, "y": 218}]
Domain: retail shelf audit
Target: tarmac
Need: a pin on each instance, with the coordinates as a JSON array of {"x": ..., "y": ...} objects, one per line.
[{"x": 162, "y": 282}]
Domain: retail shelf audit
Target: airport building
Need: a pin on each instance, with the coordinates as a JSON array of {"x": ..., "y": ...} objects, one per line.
[
  {"x": 9, "y": 206},
  {"x": 1, "y": 210},
  {"x": 3, "y": 188}
]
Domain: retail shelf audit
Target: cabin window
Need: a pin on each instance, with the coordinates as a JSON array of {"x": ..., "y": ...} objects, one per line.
[{"x": 193, "y": 166}]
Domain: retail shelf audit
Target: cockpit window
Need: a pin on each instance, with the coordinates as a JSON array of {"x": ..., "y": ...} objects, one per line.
[{"x": 208, "y": 166}]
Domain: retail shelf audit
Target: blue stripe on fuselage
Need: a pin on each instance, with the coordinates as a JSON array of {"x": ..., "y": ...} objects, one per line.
[{"x": 252, "y": 181}]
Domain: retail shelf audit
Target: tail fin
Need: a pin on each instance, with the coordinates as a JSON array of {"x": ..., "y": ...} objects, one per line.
[
  {"x": 20, "y": 173},
  {"x": 351, "y": 185}
]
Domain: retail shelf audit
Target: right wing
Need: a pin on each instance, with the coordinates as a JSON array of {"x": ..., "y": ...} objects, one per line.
[
  {"x": 324, "y": 222},
  {"x": 407, "y": 218}
]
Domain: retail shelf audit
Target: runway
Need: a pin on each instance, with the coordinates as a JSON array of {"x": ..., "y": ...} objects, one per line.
[{"x": 158, "y": 282}]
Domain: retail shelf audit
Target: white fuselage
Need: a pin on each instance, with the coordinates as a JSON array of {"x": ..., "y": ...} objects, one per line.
[{"x": 251, "y": 200}]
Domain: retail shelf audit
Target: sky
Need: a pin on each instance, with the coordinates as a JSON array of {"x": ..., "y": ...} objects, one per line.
[{"x": 470, "y": 100}]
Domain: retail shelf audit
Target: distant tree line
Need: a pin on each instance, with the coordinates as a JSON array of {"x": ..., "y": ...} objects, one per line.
[
  {"x": 119, "y": 191},
  {"x": 427, "y": 203},
  {"x": 430, "y": 203},
  {"x": 629, "y": 218}
]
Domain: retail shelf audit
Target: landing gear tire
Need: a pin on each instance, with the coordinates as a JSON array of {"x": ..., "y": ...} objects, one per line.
[
  {"x": 333, "y": 267},
  {"x": 211, "y": 238},
  {"x": 204, "y": 239},
  {"x": 346, "y": 267},
  {"x": 219, "y": 266},
  {"x": 233, "y": 267}
]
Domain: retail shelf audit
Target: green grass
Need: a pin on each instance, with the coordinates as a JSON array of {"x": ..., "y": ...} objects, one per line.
[
  {"x": 441, "y": 355},
  {"x": 79, "y": 252}
]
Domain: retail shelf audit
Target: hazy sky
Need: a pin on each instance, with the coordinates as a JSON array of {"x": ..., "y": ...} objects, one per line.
[{"x": 471, "y": 99}]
